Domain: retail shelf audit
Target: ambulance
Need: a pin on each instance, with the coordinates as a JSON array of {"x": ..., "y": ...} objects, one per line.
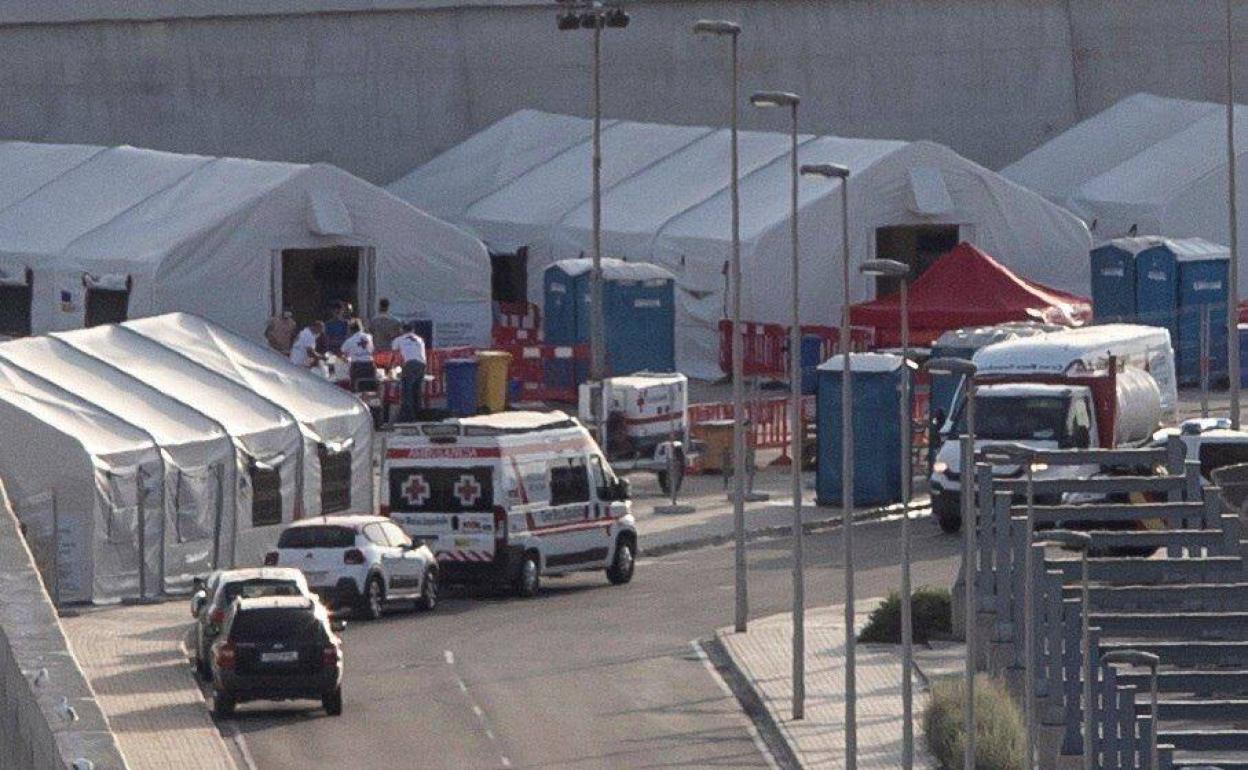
[{"x": 509, "y": 498}]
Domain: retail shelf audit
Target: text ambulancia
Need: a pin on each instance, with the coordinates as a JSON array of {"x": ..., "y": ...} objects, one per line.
[{"x": 510, "y": 497}]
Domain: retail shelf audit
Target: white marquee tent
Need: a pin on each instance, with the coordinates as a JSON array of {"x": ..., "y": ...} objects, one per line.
[
  {"x": 333, "y": 421},
  {"x": 78, "y": 477},
  {"x": 1146, "y": 166},
  {"x": 200, "y": 461},
  {"x": 95, "y": 232},
  {"x": 525, "y": 182}
]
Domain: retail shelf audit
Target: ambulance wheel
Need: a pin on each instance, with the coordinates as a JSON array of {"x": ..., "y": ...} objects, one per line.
[
  {"x": 624, "y": 563},
  {"x": 528, "y": 580},
  {"x": 374, "y": 599},
  {"x": 678, "y": 474}
]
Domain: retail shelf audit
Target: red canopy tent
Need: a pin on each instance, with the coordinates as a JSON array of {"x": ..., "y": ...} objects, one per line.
[{"x": 966, "y": 287}]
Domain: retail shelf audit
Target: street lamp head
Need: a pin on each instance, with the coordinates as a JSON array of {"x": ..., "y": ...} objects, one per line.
[
  {"x": 1074, "y": 541},
  {"x": 959, "y": 367},
  {"x": 766, "y": 99},
  {"x": 1131, "y": 658},
  {"x": 716, "y": 27},
  {"x": 825, "y": 170},
  {"x": 889, "y": 268},
  {"x": 592, "y": 19},
  {"x": 617, "y": 18},
  {"x": 568, "y": 21}
]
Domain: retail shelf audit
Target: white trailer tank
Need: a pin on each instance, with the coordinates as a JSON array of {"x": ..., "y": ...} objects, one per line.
[{"x": 1139, "y": 407}]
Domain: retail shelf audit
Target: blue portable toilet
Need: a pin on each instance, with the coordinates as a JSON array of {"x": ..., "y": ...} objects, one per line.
[
  {"x": 812, "y": 351},
  {"x": 638, "y": 310},
  {"x": 1157, "y": 285},
  {"x": 1113, "y": 280},
  {"x": 1243, "y": 354},
  {"x": 1203, "y": 285},
  {"x": 876, "y": 381}
]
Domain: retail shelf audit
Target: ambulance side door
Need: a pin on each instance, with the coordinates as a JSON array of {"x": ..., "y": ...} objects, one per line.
[
  {"x": 605, "y": 483},
  {"x": 570, "y": 535}
]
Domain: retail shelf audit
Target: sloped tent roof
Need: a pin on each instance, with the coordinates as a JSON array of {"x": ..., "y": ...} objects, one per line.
[
  {"x": 195, "y": 233},
  {"x": 201, "y": 465},
  {"x": 64, "y": 462},
  {"x": 525, "y": 182},
  {"x": 1169, "y": 180},
  {"x": 966, "y": 287},
  {"x": 329, "y": 415}
]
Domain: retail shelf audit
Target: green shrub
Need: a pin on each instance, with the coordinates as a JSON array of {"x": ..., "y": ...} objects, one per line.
[
  {"x": 1000, "y": 740},
  {"x": 931, "y": 611}
]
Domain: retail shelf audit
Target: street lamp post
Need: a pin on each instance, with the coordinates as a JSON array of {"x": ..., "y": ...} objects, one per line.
[
  {"x": 732, "y": 30},
  {"x": 1232, "y": 294},
  {"x": 595, "y": 16},
  {"x": 965, "y": 369},
  {"x": 770, "y": 99},
  {"x": 1151, "y": 661},
  {"x": 831, "y": 171},
  {"x": 893, "y": 269},
  {"x": 1081, "y": 542},
  {"x": 1026, "y": 457}
]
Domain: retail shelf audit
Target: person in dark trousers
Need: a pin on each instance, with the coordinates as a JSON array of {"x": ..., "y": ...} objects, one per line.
[
  {"x": 358, "y": 350},
  {"x": 385, "y": 327},
  {"x": 411, "y": 349}
]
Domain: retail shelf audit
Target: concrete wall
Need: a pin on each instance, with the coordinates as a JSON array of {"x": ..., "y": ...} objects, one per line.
[
  {"x": 378, "y": 86},
  {"x": 39, "y": 676}
]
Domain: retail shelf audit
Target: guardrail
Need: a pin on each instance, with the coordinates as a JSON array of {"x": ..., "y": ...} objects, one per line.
[{"x": 49, "y": 717}]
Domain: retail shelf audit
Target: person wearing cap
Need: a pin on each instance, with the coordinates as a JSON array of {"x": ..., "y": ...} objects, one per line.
[
  {"x": 358, "y": 350},
  {"x": 280, "y": 332},
  {"x": 411, "y": 349}
]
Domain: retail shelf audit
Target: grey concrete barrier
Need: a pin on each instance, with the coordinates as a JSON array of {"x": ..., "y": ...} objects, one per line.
[{"x": 49, "y": 717}]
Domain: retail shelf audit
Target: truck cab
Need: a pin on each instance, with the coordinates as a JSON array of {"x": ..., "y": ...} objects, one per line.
[{"x": 1037, "y": 415}]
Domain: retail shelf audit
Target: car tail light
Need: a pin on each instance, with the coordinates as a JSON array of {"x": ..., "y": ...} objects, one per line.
[
  {"x": 217, "y": 617},
  {"x": 329, "y": 656},
  {"x": 500, "y": 525},
  {"x": 227, "y": 656},
  {"x": 353, "y": 556},
  {"x": 270, "y": 559}
]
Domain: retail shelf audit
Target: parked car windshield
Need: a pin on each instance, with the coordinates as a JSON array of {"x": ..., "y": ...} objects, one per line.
[
  {"x": 328, "y": 536},
  {"x": 264, "y": 625},
  {"x": 1003, "y": 418}
]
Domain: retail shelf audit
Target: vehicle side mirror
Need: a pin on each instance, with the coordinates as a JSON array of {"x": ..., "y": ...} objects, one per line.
[
  {"x": 337, "y": 625},
  {"x": 623, "y": 490},
  {"x": 197, "y": 603},
  {"x": 1082, "y": 437}
]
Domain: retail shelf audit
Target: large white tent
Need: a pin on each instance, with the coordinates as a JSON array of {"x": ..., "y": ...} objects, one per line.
[
  {"x": 525, "y": 182},
  {"x": 87, "y": 488},
  {"x": 91, "y": 234},
  {"x": 334, "y": 422},
  {"x": 1146, "y": 166}
]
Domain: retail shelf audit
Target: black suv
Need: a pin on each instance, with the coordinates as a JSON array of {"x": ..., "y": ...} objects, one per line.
[{"x": 276, "y": 648}]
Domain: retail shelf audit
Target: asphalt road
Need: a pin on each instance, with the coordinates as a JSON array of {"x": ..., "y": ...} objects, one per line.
[{"x": 585, "y": 676}]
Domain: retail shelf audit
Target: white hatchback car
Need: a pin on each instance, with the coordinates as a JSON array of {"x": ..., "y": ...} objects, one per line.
[{"x": 359, "y": 562}]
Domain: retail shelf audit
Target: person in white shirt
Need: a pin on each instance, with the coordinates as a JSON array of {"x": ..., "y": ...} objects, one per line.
[
  {"x": 411, "y": 350},
  {"x": 303, "y": 351},
  {"x": 358, "y": 350}
]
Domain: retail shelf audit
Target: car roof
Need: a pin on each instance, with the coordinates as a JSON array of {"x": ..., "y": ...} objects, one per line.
[
  {"x": 351, "y": 521},
  {"x": 275, "y": 603},
  {"x": 260, "y": 573}
]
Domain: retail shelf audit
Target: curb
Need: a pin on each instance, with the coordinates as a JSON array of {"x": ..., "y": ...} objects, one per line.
[
  {"x": 751, "y": 705},
  {"x": 778, "y": 530}
]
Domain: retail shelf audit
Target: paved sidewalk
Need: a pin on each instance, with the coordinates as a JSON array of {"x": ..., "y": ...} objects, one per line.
[
  {"x": 761, "y": 656},
  {"x": 134, "y": 659}
]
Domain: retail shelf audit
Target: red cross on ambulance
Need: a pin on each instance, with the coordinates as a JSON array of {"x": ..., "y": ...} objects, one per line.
[
  {"x": 415, "y": 490},
  {"x": 468, "y": 491}
]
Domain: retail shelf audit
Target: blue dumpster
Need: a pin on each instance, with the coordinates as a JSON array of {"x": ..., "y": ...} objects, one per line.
[
  {"x": 876, "y": 381},
  {"x": 1113, "y": 280},
  {"x": 812, "y": 352},
  {"x": 1243, "y": 355},
  {"x": 638, "y": 309},
  {"x": 1203, "y": 289},
  {"x": 461, "y": 386}
]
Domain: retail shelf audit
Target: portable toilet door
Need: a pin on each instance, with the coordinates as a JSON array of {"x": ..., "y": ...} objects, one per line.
[
  {"x": 1203, "y": 287},
  {"x": 876, "y": 381},
  {"x": 640, "y": 320},
  {"x": 560, "y": 306},
  {"x": 1156, "y": 288},
  {"x": 1113, "y": 283}
]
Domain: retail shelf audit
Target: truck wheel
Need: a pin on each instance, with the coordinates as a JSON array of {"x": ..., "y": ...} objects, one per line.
[
  {"x": 947, "y": 510},
  {"x": 677, "y": 475},
  {"x": 372, "y": 602},
  {"x": 333, "y": 702},
  {"x": 624, "y": 563},
  {"x": 528, "y": 581},
  {"x": 222, "y": 705}
]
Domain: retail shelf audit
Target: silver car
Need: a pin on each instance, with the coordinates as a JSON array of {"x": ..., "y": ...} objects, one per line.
[{"x": 214, "y": 596}]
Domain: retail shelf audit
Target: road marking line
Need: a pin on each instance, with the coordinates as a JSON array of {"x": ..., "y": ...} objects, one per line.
[
  {"x": 759, "y": 743},
  {"x": 462, "y": 687},
  {"x": 506, "y": 761},
  {"x": 450, "y": 657},
  {"x": 476, "y": 709},
  {"x": 242, "y": 747}
]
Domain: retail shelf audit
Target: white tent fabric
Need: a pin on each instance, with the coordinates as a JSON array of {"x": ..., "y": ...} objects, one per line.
[
  {"x": 205, "y": 235},
  {"x": 525, "y": 182},
  {"x": 266, "y": 434},
  {"x": 200, "y": 460},
  {"x": 332, "y": 420},
  {"x": 86, "y": 485},
  {"x": 1169, "y": 180}
]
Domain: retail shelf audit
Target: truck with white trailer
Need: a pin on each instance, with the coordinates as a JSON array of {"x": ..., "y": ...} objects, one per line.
[{"x": 1093, "y": 387}]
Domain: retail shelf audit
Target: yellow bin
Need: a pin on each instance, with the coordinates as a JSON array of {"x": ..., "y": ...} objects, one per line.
[{"x": 492, "y": 369}]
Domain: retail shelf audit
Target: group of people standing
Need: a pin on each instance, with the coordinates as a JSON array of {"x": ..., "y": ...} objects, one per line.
[{"x": 346, "y": 335}]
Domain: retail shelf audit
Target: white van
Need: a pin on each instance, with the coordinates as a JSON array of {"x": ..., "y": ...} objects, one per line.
[{"x": 507, "y": 498}]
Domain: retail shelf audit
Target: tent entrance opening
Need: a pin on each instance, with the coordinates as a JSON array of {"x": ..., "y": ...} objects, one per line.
[
  {"x": 314, "y": 279},
  {"x": 15, "y": 303},
  {"x": 918, "y": 246},
  {"x": 509, "y": 275}
]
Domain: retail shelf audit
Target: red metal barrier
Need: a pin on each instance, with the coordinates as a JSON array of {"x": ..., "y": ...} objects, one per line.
[
  {"x": 861, "y": 339},
  {"x": 548, "y": 372},
  {"x": 763, "y": 346}
]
